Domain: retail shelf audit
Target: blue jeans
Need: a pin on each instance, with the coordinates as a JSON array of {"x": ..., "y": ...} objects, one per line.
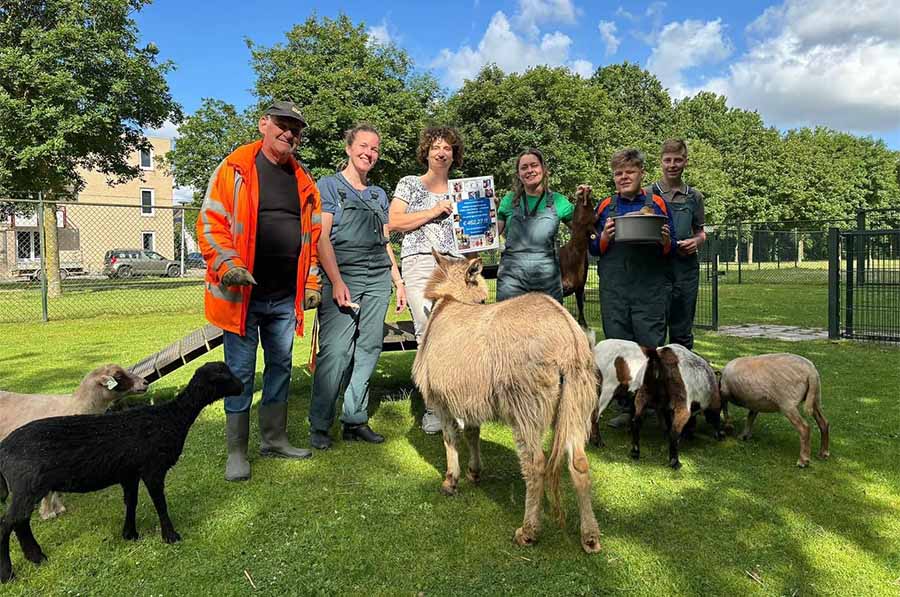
[{"x": 272, "y": 324}]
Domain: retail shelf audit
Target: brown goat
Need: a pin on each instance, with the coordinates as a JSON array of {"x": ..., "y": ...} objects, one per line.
[
  {"x": 573, "y": 256},
  {"x": 524, "y": 361}
]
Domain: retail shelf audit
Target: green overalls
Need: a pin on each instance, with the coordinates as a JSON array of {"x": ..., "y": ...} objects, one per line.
[
  {"x": 529, "y": 262},
  {"x": 349, "y": 341},
  {"x": 635, "y": 285},
  {"x": 686, "y": 273}
]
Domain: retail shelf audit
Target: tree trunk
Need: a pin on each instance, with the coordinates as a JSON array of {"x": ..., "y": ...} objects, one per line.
[{"x": 50, "y": 249}]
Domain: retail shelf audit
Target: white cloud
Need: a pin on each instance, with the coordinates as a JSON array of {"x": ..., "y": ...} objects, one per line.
[
  {"x": 508, "y": 50},
  {"x": 608, "y": 34},
  {"x": 832, "y": 62},
  {"x": 585, "y": 68},
  {"x": 183, "y": 194},
  {"x": 169, "y": 130},
  {"x": 533, "y": 13},
  {"x": 685, "y": 45},
  {"x": 379, "y": 35}
]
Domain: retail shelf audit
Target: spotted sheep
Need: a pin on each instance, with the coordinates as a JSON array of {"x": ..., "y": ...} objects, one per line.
[{"x": 678, "y": 383}]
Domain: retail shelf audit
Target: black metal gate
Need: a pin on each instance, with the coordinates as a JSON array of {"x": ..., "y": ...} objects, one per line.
[{"x": 864, "y": 285}]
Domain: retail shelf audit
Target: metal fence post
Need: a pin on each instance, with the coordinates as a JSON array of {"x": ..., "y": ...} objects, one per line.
[
  {"x": 715, "y": 282},
  {"x": 834, "y": 283},
  {"x": 861, "y": 255},
  {"x": 45, "y": 315},
  {"x": 739, "y": 227},
  {"x": 848, "y": 299}
]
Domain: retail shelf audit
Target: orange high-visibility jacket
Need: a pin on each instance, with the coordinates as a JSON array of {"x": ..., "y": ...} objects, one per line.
[{"x": 226, "y": 233}]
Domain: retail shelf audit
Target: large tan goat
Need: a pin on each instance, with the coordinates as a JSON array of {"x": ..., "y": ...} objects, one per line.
[{"x": 524, "y": 361}]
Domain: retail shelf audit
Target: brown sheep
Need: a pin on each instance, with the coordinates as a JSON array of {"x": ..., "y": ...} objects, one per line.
[
  {"x": 99, "y": 388},
  {"x": 777, "y": 382},
  {"x": 524, "y": 361},
  {"x": 573, "y": 256}
]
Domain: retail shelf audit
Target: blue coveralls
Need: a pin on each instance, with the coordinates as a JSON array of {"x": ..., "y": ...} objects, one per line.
[
  {"x": 635, "y": 279},
  {"x": 529, "y": 262},
  {"x": 350, "y": 342}
]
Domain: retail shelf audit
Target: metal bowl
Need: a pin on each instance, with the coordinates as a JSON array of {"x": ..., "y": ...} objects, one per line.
[{"x": 639, "y": 228}]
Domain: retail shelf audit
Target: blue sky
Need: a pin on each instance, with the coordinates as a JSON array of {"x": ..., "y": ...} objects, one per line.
[{"x": 798, "y": 62}]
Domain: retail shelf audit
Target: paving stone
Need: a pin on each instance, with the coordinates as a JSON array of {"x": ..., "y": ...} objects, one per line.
[{"x": 779, "y": 332}]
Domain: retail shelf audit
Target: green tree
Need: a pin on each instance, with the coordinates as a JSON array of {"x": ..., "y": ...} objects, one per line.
[
  {"x": 752, "y": 155},
  {"x": 76, "y": 91},
  {"x": 641, "y": 109},
  {"x": 339, "y": 77},
  {"x": 549, "y": 108},
  {"x": 205, "y": 138}
]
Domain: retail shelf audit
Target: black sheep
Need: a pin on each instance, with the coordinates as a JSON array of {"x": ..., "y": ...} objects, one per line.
[{"x": 82, "y": 453}]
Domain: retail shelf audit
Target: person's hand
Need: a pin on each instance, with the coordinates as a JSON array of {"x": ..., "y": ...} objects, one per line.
[
  {"x": 312, "y": 299},
  {"x": 664, "y": 239},
  {"x": 341, "y": 294},
  {"x": 442, "y": 208},
  {"x": 401, "y": 297},
  {"x": 238, "y": 276},
  {"x": 583, "y": 188},
  {"x": 609, "y": 230},
  {"x": 687, "y": 247}
]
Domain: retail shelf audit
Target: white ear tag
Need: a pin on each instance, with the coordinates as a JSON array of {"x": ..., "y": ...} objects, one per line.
[{"x": 111, "y": 383}]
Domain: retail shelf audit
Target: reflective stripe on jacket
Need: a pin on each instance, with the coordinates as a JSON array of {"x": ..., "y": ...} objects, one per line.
[{"x": 226, "y": 233}]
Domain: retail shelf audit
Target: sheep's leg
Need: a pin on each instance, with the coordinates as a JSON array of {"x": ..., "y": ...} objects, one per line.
[
  {"x": 130, "y": 491},
  {"x": 472, "y": 435},
  {"x": 581, "y": 479},
  {"x": 595, "y": 437},
  {"x": 533, "y": 462},
  {"x": 747, "y": 433},
  {"x": 689, "y": 428},
  {"x": 637, "y": 420},
  {"x": 822, "y": 422},
  {"x": 680, "y": 418},
  {"x": 31, "y": 549},
  {"x": 18, "y": 512},
  {"x": 451, "y": 446},
  {"x": 6, "y": 572},
  {"x": 714, "y": 418},
  {"x": 803, "y": 429},
  {"x": 156, "y": 487}
]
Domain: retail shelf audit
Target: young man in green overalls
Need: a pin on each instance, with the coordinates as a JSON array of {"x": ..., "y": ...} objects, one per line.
[{"x": 686, "y": 205}]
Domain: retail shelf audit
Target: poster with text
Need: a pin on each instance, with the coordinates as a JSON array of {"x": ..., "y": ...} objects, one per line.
[{"x": 474, "y": 214}]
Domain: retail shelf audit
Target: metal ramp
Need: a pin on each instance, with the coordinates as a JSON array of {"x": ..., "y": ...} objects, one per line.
[{"x": 398, "y": 336}]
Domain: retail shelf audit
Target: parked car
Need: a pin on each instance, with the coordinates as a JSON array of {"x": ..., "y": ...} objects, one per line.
[
  {"x": 194, "y": 260},
  {"x": 125, "y": 263}
]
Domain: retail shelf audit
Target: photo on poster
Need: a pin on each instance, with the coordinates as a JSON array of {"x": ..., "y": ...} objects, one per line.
[{"x": 474, "y": 214}]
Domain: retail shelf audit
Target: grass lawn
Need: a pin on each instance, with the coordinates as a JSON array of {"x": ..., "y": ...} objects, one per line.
[
  {"x": 775, "y": 304},
  {"x": 738, "y": 519}
]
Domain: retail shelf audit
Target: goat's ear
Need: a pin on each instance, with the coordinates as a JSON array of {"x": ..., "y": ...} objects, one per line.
[
  {"x": 474, "y": 270},
  {"x": 439, "y": 259}
]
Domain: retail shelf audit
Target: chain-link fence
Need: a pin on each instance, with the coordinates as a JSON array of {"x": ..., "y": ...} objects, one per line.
[{"x": 96, "y": 259}]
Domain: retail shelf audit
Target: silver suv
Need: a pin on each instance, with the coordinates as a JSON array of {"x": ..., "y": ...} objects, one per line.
[{"x": 125, "y": 263}]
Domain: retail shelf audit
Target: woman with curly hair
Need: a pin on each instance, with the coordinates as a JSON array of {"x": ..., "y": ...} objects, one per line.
[{"x": 420, "y": 209}]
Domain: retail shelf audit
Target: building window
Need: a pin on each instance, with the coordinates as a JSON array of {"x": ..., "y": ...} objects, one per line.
[
  {"x": 147, "y": 202},
  {"x": 146, "y": 159},
  {"x": 148, "y": 240},
  {"x": 28, "y": 244}
]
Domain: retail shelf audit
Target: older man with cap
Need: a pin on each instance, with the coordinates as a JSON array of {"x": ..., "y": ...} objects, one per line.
[{"x": 258, "y": 230}]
